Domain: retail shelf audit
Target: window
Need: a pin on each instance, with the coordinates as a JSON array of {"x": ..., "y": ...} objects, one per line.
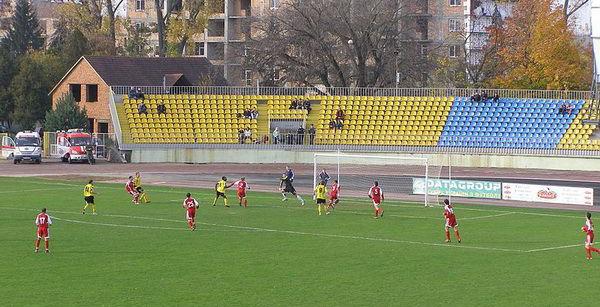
[
  {"x": 246, "y": 49},
  {"x": 91, "y": 91},
  {"x": 140, "y": 5},
  {"x": 455, "y": 2},
  {"x": 75, "y": 90},
  {"x": 199, "y": 49},
  {"x": 276, "y": 74},
  {"x": 424, "y": 51},
  {"x": 248, "y": 77},
  {"x": 453, "y": 51},
  {"x": 455, "y": 25}
]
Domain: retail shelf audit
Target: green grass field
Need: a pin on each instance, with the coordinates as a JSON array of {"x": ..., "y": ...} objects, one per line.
[{"x": 276, "y": 254}]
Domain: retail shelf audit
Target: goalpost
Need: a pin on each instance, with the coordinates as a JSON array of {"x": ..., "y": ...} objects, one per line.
[{"x": 401, "y": 178}]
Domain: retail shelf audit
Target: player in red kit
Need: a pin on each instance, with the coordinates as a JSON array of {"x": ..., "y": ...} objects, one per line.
[
  {"x": 376, "y": 195},
  {"x": 450, "y": 221},
  {"x": 588, "y": 228},
  {"x": 131, "y": 189},
  {"x": 42, "y": 221},
  {"x": 190, "y": 205},
  {"x": 334, "y": 194},
  {"x": 242, "y": 186}
]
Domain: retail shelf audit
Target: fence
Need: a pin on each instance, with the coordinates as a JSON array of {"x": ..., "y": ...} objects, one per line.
[
  {"x": 345, "y": 91},
  {"x": 306, "y": 142}
]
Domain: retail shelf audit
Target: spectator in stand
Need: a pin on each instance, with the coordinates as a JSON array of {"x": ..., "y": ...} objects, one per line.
[
  {"x": 332, "y": 124},
  {"x": 161, "y": 108},
  {"x": 265, "y": 139},
  {"x": 339, "y": 114},
  {"x": 496, "y": 98},
  {"x": 276, "y": 135},
  {"x": 307, "y": 106},
  {"x": 139, "y": 93},
  {"x": 247, "y": 134},
  {"x": 484, "y": 97},
  {"x": 294, "y": 105},
  {"x": 142, "y": 109},
  {"x": 311, "y": 134},
  {"x": 247, "y": 113},
  {"x": 476, "y": 97},
  {"x": 563, "y": 109},
  {"x": 300, "y": 132},
  {"x": 339, "y": 124},
  {"x": 132, "y": 93},
  {"x": 569, "y": 109},
  {"x": 254, "y": 113}
]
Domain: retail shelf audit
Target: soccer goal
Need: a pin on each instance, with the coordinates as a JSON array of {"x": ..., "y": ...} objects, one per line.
[{"x": 401, "y": 178}]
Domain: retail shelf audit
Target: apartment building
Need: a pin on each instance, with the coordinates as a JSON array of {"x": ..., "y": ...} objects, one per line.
[
  {"x": 223, "y": 40},
  {"x": 455, "y": 30}
]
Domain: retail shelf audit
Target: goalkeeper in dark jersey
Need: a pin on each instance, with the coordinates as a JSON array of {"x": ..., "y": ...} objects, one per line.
[{"x": 286, "y": 186}]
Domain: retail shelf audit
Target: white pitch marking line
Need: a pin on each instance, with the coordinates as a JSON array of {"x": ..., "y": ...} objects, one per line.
[
  {"x": 118, "y": 225},
  {"x": 137, "y": 226},
  {"x": 366, "y": 238},
  {"x": 391, "y": 205},
  {"x": 280, "y": 231},
  {"x": 553, "y": 248},
  {"x": 34, "y": 190},
  {"x": 486, "y": 216}
]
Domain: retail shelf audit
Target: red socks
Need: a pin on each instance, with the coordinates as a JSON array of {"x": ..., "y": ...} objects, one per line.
[{"x": 457, "y": 235}]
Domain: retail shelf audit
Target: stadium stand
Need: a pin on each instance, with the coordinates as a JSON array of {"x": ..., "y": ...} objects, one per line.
[
  {"x": 190, "y": 119},
  {"x": 578, "y": 136},
  {"x": 509, "y": 123},
  {"x": 369, "y": 120}
]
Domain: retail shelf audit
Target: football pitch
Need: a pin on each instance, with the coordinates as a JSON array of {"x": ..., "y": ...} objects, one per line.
[{"x": 277, "y": 254}]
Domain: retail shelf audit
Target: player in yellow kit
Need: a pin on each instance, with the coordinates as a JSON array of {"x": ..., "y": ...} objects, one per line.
[
  {"x": 220, "y": 188},
  {"x": 88, "y": 196},
  {"x": 321, "y": 196},
  {"x": 137, "y": 182}
]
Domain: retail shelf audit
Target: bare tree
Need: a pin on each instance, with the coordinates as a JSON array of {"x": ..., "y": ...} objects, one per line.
[
  {"x": 570, "y": 7},
  {"x": 334, "y": 43}
]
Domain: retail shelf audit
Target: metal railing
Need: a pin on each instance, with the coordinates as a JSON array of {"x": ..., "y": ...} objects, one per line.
[
  {"x": 308, "y": 142},
  {"x": 345, "y": 91}
]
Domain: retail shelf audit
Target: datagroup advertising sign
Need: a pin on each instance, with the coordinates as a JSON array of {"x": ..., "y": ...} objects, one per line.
[
  {"x": 459, "y": 188},
  {"x": 548, "y": 194}
]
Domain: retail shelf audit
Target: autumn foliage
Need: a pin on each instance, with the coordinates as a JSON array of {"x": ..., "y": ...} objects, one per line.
[{"x": 540, "y": 50}]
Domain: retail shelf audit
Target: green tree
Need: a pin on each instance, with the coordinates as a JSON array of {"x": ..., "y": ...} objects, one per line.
[
  {"x": 136, "y": 42},
  {"x": 69, "y": 47},
  {"x": 66, "y": 115},
  {"x": 38, "y": 72},
  {"x": 7, "y": 71},
  {"x": 24, "y": 33}
]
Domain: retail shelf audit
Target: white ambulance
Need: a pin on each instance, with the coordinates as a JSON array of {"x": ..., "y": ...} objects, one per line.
[{"x": 27, "y": 146}]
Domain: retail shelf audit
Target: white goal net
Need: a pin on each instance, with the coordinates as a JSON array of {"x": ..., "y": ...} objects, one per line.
[{"x": 401, "y": 178}]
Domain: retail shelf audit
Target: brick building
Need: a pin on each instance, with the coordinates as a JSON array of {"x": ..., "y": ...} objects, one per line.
[{"x": 91, "y": 78}]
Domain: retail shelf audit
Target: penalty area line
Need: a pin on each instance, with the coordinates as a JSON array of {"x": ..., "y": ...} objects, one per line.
[
  {"x": 137, "y": 226},
  {"x": 366, "y": 238},
  {"x": 553, "y": 248}
]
